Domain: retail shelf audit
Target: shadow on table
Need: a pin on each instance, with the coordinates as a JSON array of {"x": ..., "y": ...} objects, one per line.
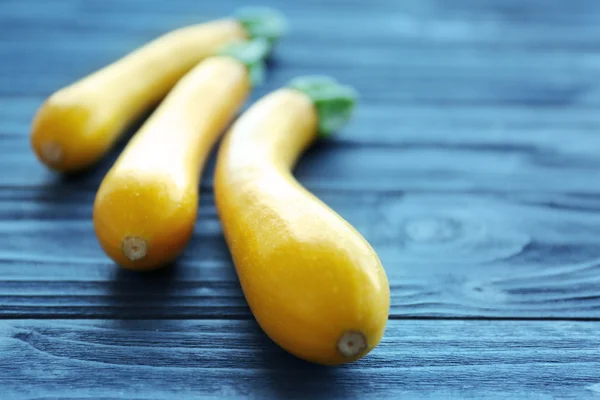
[
  {"x": 286, "y": 376},
  {"x": 142, "y": 295}
]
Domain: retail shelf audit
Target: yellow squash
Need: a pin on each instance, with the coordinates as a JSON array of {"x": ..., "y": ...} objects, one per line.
[
  {"x": 146, "y": 206},
  {"x": 76, "y": 126},
  {"x": 314, "y": 284}
]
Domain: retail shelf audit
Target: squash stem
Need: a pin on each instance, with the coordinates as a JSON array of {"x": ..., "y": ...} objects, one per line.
[
  {"x": 333, "y": 101},
  {"x": 352, "y": 343},
  {"x": 134, "y": 247},
  {"x": 262, "y": 22},
  {"x": 252, "y": 54}
]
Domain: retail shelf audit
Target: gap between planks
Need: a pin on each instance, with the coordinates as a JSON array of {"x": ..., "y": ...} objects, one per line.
[{"x": 237, "y": 317}]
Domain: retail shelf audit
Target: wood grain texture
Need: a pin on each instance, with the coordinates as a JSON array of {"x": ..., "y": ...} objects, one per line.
[
  {"x": 477, "y": 209},
  {"x": 222, "y": 359},
  {"x": 446, "y": 254},
  {"x": 471, "y": 166},
  {"x": 411, "y": 164}
]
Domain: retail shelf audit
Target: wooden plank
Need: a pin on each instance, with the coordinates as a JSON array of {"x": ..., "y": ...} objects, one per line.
[
  {"x": 410, "y": 62},
  {"x": 392, "y": 26},
  {"x": 517, "y": 23},
  {"x": 560, "y": 130},
  {"x": 41, "y": 63},
  {"x": 530, "y": 255},
  {"x": 552, "y": 89},
  {"x": 465, "y": 148},
  {"x": 216, "y": 359},
  {"x": 410, "y": 166},
  {"x": 553, "y": 79}
]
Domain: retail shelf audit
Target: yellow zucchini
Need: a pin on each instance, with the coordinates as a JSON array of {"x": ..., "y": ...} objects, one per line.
[
  {"x": 76, "y": 125},
  {"x": 146, "y": 206},
  {"x": 314, "y": 284}
]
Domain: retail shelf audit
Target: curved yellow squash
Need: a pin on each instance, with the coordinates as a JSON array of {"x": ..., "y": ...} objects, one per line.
[
  {"x": 314, "y": 284},
  {"x": 76, "y": 126},
  {"x": 146, "y": 207}
]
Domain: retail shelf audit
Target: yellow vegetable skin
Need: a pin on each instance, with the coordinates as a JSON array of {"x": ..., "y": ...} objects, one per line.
[
  {"x": 146, "y": 207},
  {"x": 314, "y": 284},
  {"x": 76, "y": 126}
]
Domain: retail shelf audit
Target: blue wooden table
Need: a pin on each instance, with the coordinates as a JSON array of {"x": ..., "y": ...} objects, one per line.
[{"x": 472, "y": 166}]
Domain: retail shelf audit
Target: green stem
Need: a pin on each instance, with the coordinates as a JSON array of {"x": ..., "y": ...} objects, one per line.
[
  {"x": 252, "y": 54},
  {"x": 262, "y": 22},
  {"x": 334, "y": 102},
  {"x": 264, "y": 26}
]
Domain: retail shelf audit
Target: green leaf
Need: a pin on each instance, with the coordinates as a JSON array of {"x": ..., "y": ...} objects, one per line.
[
  {"x": 334, "y": 102},
  {"x": 252, "y": 54},
  {"x": 262, "y": 22}
]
